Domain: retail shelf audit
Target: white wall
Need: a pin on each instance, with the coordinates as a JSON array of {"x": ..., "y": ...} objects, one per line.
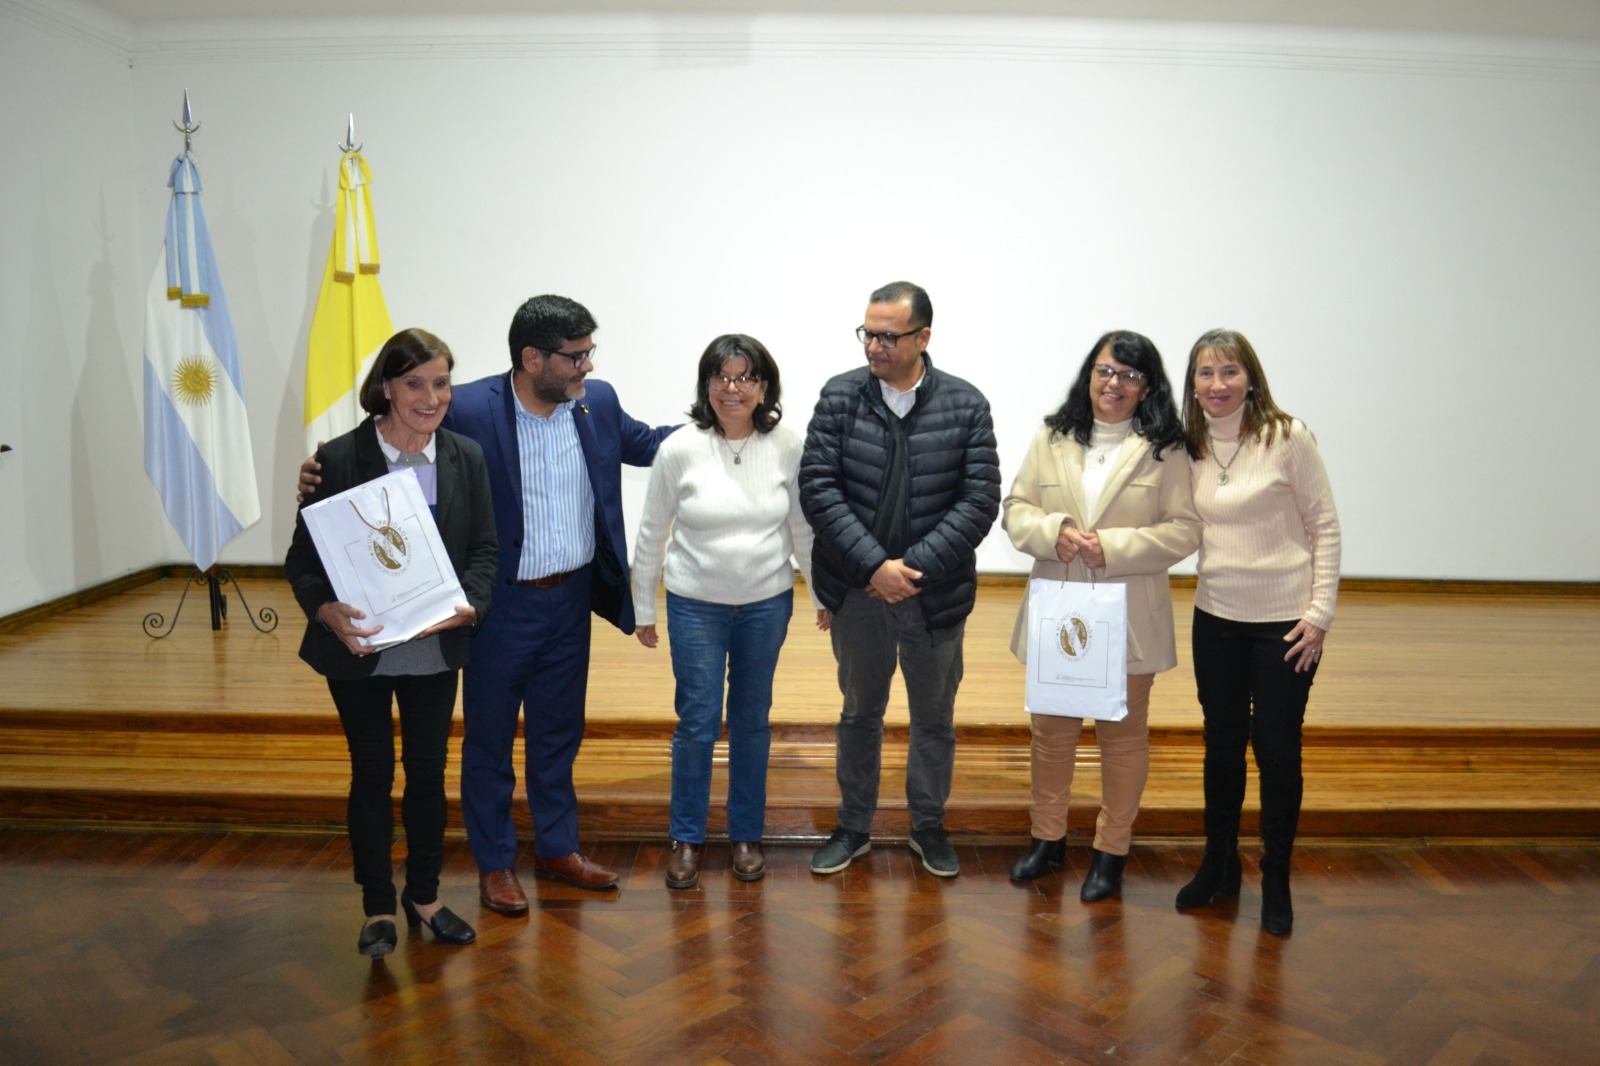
[
  {"x": 1406, "y": 227},
  {"x": 73, "y": 264}
]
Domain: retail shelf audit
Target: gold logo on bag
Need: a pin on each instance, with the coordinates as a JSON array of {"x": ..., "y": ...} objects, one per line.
[
  {"x": 386, "y": 543},
  {"x": 1073, "y": 635}
]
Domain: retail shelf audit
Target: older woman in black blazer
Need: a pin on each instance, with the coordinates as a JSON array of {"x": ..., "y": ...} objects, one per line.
[{"x": 407, "y": 394}]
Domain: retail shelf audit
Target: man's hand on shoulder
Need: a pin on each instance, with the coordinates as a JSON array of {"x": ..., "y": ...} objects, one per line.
[{"x": 309, "y": 478}]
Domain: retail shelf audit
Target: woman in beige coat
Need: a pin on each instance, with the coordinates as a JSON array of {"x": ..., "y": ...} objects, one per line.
[{"x": 1104, "y": 492}]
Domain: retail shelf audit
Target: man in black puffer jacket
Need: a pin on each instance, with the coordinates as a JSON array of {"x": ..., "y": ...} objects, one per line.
[{"x": 901, "y": 482}]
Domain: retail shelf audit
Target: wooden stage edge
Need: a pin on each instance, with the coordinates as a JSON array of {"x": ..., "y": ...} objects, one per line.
[{"x": 1445, "y": 711}]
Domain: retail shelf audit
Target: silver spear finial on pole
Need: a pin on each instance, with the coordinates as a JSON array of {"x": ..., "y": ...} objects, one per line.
[
  {"x": 349, "y": 145},
  {"x": 189, "y": 127}
]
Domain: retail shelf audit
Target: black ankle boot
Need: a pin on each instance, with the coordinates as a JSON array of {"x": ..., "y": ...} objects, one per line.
[
  {"x": 1105, "y": 876},
  {"x": 1218, "y": 874},
  {"x": 1041, "y": 857},
  {"x": 1277, "y": 909}
]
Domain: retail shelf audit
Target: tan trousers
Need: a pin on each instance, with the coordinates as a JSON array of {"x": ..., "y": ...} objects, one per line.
[{"x": 1124, "y": 765}]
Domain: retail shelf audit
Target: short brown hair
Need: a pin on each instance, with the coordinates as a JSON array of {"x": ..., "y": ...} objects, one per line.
[
  {"x": 763, "y": 368},
  {"x": 400, "y": 354}
]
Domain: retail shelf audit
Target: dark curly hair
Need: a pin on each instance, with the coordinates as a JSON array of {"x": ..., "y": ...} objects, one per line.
[{"x": 1156, "y": 417}]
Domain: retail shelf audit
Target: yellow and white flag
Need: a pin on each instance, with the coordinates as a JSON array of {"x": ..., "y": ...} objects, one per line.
[{"x": 351, "y": 321}]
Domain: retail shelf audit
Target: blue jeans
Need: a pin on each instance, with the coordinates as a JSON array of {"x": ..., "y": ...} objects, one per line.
[{"x": 710, "y": 641}]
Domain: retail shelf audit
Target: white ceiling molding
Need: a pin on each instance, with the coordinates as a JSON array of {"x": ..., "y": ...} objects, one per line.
[
  {"x": 1208, "y": 45},
  {"x": 83, "y": 24},
  {"x": 1569, "y": 20}
]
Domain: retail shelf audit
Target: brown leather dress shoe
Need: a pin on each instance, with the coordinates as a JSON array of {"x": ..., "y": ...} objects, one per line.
[
  {"x": 500, "y": 891},
  {"x": 749, "y": 864},
  {"x": 683, "y": 869},
  {"x": 574, "y": 870}
]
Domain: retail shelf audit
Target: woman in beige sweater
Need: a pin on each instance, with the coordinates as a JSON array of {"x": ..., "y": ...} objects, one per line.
[
  {"x": 1104, "y": 492},
  {"x": 1269, "y": 576}
]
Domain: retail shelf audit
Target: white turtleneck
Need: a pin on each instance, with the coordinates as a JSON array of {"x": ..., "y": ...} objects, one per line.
[{"x": 1099, "y": 459}]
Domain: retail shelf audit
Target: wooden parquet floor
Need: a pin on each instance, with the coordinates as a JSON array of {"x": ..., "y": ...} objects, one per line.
[{"x": 137, "y": 947}]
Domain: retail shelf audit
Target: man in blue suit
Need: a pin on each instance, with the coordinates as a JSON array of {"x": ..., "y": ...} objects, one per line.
[{"x": 554, "y": 442}]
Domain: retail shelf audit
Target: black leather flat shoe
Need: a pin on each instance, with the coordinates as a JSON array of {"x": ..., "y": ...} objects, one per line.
[
  {"x": 1105, "y": 876},
  {"x": 447, "y": 927},
  {"x": 1041, "y": 857},
  {"x": 377, "y": 939}
]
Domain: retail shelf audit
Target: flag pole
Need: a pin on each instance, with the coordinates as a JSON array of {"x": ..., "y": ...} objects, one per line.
[{"x": 213, "y": 576}]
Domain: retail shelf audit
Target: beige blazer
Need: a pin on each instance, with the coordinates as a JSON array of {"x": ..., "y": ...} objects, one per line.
[{"x": 1146, "y": 522}]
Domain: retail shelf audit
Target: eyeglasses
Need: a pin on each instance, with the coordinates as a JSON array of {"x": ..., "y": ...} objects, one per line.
[
  {"x": 1111, "y": 373},
  {"x": 885, "y": 340},
  {"x": 744, "y": 382},
  {"x": 576, "y": 357}
]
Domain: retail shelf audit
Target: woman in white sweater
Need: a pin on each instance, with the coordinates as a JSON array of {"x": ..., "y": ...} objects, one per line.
[
  {"x": 1269, "y": 577},
  {"x": 721, "y": 523}
]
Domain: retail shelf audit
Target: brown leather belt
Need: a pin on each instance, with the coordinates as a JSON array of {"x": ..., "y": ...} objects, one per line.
[{"x": 548, "y": 581}]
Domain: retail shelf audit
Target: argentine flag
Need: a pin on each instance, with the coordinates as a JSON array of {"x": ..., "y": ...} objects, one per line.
[
  {"x": 351, "y": 322},
  {"x": 196, "y": 434}
]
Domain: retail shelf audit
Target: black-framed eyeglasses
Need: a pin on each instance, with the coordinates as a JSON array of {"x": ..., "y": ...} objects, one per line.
[
  {"x": 576, "y": 357},
  {"x": 885, "y": 340},
  {"x": 744, "y": 382},
  {"x": 1111, "y": 373}
]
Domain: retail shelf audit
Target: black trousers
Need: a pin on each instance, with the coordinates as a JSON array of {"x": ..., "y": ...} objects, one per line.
[
  {"x": 1250, "y": 696},
  {"x": 426, "y": 703}
]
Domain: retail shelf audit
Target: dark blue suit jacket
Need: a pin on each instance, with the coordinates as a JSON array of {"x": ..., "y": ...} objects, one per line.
[{"x": 485, "y": 411}]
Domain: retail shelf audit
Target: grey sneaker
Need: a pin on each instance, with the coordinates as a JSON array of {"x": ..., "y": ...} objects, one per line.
[
  {"x": 841, "y": 847},
  {"x": 938, "y": 857}
]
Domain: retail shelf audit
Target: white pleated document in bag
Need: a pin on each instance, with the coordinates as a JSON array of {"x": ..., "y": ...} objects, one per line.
[{"x": 1077, "y": 649}]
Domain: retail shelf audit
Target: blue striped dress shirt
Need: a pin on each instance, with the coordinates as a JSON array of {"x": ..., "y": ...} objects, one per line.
[{"x": 557, "y": 499}]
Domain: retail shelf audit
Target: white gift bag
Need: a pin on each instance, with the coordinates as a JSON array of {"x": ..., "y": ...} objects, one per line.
[
  {"x": 380, "y": 546},
  {"x": 1077, "y": 649}
]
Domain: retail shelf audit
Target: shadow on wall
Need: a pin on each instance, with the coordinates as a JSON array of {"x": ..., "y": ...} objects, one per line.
[
  {"x": 263, "y": 358},
  {"x": 289, "y": 445},
  {"x": 107, "y": 441}
]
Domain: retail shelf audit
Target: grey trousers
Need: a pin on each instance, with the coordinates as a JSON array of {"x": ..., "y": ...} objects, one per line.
[{"x": 869, "y": 638}]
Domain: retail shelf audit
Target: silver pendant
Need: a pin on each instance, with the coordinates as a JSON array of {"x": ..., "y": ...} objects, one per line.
[
  {"x": 1222, "y": 478},
  {"x": 1102, "y": 458},
  {"x": 737, "y": 460}
]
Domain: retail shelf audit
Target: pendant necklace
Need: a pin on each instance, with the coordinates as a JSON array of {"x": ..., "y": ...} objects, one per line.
[
  {"x": 1222, "y": 478},
  {"x": 736, "y": 460},
  {"x": 1102, "y": 452}
]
